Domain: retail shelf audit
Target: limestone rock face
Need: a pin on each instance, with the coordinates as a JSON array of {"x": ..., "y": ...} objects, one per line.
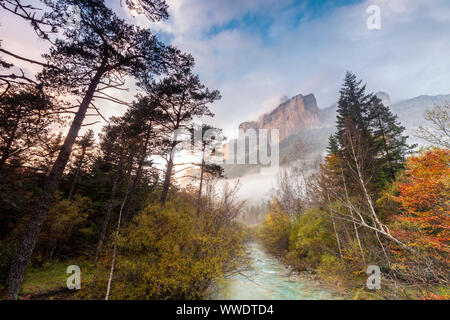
[{"x": 297, "y": 113}]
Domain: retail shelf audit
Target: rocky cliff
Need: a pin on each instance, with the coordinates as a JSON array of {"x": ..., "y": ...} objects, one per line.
[
  {"x": 297, "y": 113},
  {"x": 300, "y": 121}
]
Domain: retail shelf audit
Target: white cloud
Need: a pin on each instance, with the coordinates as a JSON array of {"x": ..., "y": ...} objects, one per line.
[{"x": 406, "y": 58}]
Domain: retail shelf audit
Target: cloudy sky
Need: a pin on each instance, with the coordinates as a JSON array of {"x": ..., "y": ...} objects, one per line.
[{"x": 258, "y": 51}]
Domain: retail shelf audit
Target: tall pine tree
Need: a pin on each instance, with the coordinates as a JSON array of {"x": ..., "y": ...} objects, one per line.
[
  {"x": 353, "y": 106},
  {"x": 364, "y": 117},
  {"x": 353, "y": 132},
  {"x": 388, "y": 137},
  {"x": 333, "y": 145}
]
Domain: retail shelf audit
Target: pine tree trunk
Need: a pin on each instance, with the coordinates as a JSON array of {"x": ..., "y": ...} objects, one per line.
[
  {"x": 130, "y": 199},
  {"x": 77, "y": 173},
  {"x": 166, "y": 184},
  {"x": 29, "y": 239},
  {"x": 167, "y": 177},
  {"x": 107, "y": 217},
  {"x": 129, "y": 203},
  {"x": 137, "y": 178}
]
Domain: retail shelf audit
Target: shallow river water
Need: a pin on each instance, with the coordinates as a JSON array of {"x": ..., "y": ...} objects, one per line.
[{"x": 269, "y": 280}]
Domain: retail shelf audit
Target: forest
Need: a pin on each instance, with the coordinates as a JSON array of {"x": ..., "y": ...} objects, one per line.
[
  {"x": 113, "y": 202},
  {"x": 71, "y": 197},
  {"x": 374, "y": 200}
]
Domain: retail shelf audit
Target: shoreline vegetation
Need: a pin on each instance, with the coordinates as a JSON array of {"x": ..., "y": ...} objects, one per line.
[
  {"x": 373, "y": 200},
  {"x": 173, "y": 255}
]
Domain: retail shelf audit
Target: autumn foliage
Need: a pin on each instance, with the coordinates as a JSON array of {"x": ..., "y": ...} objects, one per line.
[
  {"x": 275, "y": 230},
  {"x": 424, "y": 202}
]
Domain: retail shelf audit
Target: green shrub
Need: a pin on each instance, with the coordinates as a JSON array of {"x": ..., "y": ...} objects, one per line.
[
  {"x": 64, "y": 219},
  {"x": 311, "y": 236},
  {"x": 170, "y": 253},
  {"x": 274, "y": 232},
  {"x": 330, "y": 266}
]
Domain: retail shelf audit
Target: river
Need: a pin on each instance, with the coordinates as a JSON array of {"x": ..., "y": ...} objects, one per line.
[{"x": 269, "y": 279}]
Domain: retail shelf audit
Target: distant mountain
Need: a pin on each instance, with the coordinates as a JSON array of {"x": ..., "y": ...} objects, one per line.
[
  {"x": 328, "y": 115},
  {"x": 411, "y": 112},
  {"x": 290, "y": 117},
  {"x": 301, "y": 132},
  {"x": 305, "y": 128}
]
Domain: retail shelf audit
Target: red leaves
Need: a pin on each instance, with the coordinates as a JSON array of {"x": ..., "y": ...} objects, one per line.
[{"x": 424, "y": 200}]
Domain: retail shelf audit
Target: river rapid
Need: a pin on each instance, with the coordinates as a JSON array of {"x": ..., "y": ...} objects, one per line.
[{"x": 269, "y": 279}]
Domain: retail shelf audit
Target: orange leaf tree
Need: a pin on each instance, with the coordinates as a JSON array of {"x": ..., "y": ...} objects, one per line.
[{"x": 424, "y": 203}]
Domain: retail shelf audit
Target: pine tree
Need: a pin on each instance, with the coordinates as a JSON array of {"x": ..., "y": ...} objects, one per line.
[
  {"x": 95, "y": 56},
  {"x": 353, "y": 106},
  {"x": 391, "y": 144},
  {"x": 24, "y": 124},
  {"x": 209, "y": 136},
  {"x": 364, "y": 117},
  {"x": 181, "y": 97},
  {"x": 353, "y": 125},
  {"x": 333, "y": 145},
  {"x": 85, "y": 144},
  {"x": 147, "y": 123},
  {"x": 118, "y": 151}
]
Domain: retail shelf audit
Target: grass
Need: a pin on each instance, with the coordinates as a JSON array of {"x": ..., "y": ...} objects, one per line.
[{"x": 53, "y": 277}]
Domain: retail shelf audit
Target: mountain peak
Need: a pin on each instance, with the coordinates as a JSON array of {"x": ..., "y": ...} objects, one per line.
[{"x": 299, "y": 112}]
